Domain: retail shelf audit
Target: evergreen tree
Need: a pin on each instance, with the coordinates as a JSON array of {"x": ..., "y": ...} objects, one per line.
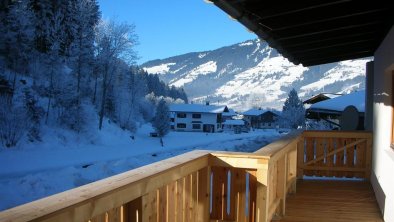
[
  {"x": 84, "y": 19},
  {"x": 293, "y": 112},
  {"x": 161, "y": 122}
]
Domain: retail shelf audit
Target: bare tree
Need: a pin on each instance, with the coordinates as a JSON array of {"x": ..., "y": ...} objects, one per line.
[{"x": 114, "y": 41}]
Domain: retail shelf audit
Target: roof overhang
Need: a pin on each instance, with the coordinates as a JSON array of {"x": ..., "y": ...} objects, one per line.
[{"x": 315, "y": 32}]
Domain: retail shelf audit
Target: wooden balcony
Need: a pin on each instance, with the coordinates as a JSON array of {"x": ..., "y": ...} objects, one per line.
[{"x": 225, "y": 186}]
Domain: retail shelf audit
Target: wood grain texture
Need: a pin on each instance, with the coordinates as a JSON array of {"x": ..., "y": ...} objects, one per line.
[{"x": 332, "y": 201}]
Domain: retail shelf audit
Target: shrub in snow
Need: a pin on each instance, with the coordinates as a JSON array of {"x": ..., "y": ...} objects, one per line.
[
  {"x": 319, "y": 125},
  {"x": 293, "y": 112},
  {"x": 161, "y": 122},
  {"x": 35, "y": 113},
  {"x": 13, "y": 124}
]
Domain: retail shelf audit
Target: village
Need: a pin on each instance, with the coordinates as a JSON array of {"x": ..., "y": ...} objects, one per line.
[
  {"x": 214, "y": 110},
  {"x": 323, "y": 111}
]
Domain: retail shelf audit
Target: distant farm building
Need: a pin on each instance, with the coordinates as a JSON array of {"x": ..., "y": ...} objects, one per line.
[
  {"x": 197, "y": 117},
  {"x": 261, "y": 119}
]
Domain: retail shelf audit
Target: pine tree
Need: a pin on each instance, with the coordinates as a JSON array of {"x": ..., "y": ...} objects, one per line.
[
  {"x": 18, "y": 37},
  {"x": 293, "y": 112},
  {"x": 161, "y": 122},
  {"x": 85, "y": 16}
]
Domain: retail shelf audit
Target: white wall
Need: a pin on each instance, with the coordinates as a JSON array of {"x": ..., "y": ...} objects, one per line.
[
  {"x": 206, "y": 118},
  {"x": 383, "y": 155}
]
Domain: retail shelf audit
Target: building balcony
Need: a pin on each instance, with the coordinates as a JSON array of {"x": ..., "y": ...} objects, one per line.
[{"x": 277, "y": 182}]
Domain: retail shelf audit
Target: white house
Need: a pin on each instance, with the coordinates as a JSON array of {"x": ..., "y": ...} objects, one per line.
[{"x": 197, "y": 117}]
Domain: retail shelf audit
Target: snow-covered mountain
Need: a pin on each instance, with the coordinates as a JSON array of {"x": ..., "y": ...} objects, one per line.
[{"x": 253, "y": 74}]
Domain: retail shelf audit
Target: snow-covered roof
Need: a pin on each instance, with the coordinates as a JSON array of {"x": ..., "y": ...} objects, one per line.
[
  {"x": 234, "y": 122},
  {"x": 196, "y": 108},
  {"x": 321, "y": 97},
  {"x": 254, "y": 112},
  {"x": 339, "y": 103},
  {"x": 230, "y": 112}
]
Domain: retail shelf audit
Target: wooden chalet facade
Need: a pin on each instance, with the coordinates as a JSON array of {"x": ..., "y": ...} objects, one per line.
[{"x": 260, "y": 119}]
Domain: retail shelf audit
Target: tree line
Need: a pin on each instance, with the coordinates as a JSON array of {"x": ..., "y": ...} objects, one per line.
[{"x": 60, "y": 62}]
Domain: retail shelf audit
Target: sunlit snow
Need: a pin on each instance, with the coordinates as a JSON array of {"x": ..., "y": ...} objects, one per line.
[
  {"x": 204, "y": 69},
  {"x": 160, "y": 69},
  {"x": 344, "y": 71}
]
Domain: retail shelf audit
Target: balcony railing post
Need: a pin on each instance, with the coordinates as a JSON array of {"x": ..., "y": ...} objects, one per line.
[
  {"x": 203, "y": 203},
  {"x": 300, "y": 157},
  {"x": 281, "y": 189},
  {"x": 262, "y": 199}
]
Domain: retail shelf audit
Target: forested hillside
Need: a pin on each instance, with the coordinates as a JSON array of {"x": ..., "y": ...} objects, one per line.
[{"x": 62, "y": 66}]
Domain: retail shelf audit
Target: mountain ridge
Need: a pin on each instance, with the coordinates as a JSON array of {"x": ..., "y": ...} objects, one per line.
[{"x": 251, "y": 74}]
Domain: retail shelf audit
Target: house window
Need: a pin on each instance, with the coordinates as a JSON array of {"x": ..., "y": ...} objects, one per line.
[
  {"x": 181, "y": 125},
  {"x": 181, "y": 115},
  {"x": 196, "y": 116},
  {"x": 172, "y": 127},
  {"x": 172, "y": 120},
  {"x": 196, "y": 126}
]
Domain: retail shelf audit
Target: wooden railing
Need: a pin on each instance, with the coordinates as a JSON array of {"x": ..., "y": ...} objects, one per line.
[
  {"x": 205, "y": 186},
  {"x": 335, "y": 154}
]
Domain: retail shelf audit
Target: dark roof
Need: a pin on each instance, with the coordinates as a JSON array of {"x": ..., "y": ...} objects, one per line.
[
  {"x": 320, "y": 97},
  {"x": 315, "y": 32}
]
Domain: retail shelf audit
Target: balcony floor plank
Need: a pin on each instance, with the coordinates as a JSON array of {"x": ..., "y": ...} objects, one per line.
[{"x": 322, "y": 200}]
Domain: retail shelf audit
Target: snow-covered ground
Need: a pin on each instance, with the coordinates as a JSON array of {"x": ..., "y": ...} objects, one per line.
[{"x": 34, "y": 171}]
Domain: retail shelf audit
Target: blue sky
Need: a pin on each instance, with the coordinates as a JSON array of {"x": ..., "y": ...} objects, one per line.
[{"x": 172, "y": 27}]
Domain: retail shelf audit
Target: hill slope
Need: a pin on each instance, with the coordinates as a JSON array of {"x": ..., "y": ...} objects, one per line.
[{"x": 253, "y": 74}]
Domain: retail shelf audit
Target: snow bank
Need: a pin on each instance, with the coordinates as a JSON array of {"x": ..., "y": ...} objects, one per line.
[{"x": 39, "y": 170}]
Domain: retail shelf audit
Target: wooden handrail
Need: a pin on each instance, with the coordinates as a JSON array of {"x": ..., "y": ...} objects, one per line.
[
  {"x": 335, "y": 154},
  {"x": 91, "y": 200},
  {"x": 319, "y": 158},
  {"x": 208, "y": 185}
]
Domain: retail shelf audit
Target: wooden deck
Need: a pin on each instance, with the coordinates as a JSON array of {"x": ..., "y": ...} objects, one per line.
[{"x": 319, "y": 200}]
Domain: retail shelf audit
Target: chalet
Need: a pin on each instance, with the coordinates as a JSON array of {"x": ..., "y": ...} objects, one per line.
[
  {"x": 225, "y": 186},
  {"x": 332, "y": 110},
  {"x": 197, "y": 117},
  {"x": 319, "y": 97},
  {"x": 261, "y": 119}
]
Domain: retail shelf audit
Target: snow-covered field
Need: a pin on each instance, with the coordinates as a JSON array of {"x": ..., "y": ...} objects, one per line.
[{"x": 30, "y": 172}]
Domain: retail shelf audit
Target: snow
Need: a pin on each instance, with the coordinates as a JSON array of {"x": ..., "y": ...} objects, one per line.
[
  {"x": 345, "y": 70},
  {"x": 202, "y": 55},
  {"x": 160, "y": 69},
  {"x": 230, "y": 112},
  {"x": 196, "y": 108},
  {"x": 203, "y": 69},
  {"x": 339, "y": 103},
  {"x": 246, "y": 43},
  {"x": 65, "y": 161},
  {"x": 254, "y": 112},
  {"x": 262, "y": 81},
  {"x": 234, "y": 122}
]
